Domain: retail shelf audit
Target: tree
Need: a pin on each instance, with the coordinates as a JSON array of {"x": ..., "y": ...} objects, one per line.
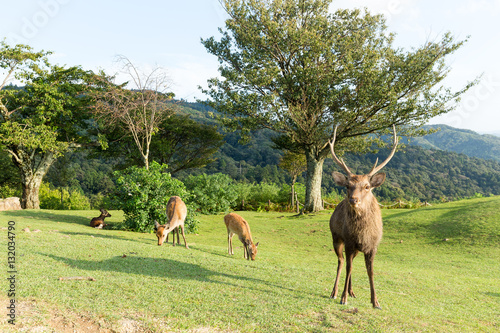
[
  {"x": 291, "y": 66},
  {"x": 42, "y": 119},
  {"x": 139, "y": 110},
  {"x": 182, "y": 143},
  {"x": 295, "y": 165}
]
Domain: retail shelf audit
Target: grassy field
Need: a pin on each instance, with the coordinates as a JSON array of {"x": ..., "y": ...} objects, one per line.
[{"x": 437, "y": 270}]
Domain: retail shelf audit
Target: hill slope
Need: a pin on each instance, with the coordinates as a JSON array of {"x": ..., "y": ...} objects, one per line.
[
  {"x": 463, "y": 141},
  {"x": 448, "y": 167}
]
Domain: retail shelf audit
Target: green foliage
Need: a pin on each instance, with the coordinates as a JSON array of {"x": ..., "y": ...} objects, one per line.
[
  {"x": 53, "y": 199},
  {"x": 212, "y": 193},
  {"x": 7, "y": 191},
  {"x": 143, "y": 194},
  {"x": 265, "y": 192},
  {"x": 298, "y": 69},
  {"x": 45, "y": 118},
  {"x": 184, "y": 143}
]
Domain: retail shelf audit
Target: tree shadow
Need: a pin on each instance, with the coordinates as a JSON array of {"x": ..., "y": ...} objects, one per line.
[
  {"x": 97, "y": 234},
  {"x": 53, "y": 217},
  {"x": 163, "y": 268},
  {"x": 170, "y": 269},
  {"x": 460, "y": 222}
]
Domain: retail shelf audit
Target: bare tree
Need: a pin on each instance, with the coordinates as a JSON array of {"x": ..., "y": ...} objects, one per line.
[{"x": 138, "y": 109}]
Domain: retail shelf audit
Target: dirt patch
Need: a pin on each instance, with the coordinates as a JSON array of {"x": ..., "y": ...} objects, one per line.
[{"x": 36, "y": 317}]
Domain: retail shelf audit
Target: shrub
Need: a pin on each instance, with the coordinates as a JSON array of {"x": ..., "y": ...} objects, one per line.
[
  {"x": 51, "y": 199},
  {"x": 264, "y": 192},
  {"x": 212, "y": 193},
  {"x": 143, "y": 195},
  {"x": 7, "y": 191}
]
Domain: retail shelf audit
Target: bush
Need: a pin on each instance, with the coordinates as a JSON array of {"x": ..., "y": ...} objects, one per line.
[
  {"x": 212, "y": 193},
  {"x": 265, "y": 192},
  {"x": 143, "y": 195},
  {"x": 51, "y": 199},
  {"x": 7, "y": 191}
]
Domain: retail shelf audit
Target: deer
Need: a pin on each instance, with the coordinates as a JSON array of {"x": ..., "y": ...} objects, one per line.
[
  {"x": 236, "y": 225},
  {"x": 356, "y": 223},
  {"x": 176, "y": 215},
  {"x": 98, "y": 222}
]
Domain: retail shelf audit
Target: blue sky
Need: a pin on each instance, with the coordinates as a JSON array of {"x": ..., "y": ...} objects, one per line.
[{"x": 167, "y": 33}]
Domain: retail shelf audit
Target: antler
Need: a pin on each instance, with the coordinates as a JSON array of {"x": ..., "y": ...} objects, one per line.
[
  {"x": 339, "y": 161},
  {"x": 376, "y": 168}
]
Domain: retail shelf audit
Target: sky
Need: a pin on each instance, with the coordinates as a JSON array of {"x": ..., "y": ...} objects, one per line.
[{"x": 167, "y": 34}]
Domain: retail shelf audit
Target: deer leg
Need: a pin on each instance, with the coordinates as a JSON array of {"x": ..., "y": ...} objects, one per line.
[
  {"x": 184, "y": 237},
  {"x": 369, "y": 269},
  {"x": 339, "y": 249},
  {"x": 245, "y": 251},
  {"x": 351, "y": 293},
  {"x": 229, "y": 243},
  {"x": 349, "y": 256},
  {"x": 173, "y": 236}
]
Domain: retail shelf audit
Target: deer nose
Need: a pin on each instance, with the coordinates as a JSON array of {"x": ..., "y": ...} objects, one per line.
[{"x": 354, "y": 201}]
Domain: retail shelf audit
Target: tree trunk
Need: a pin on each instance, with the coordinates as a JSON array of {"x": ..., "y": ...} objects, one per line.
[
  {"x": 31, "y": 189},
  {"x": 33, "y": 167},
  {"x": 294, "y": 179},
  {"x": 314, "y": 173}
]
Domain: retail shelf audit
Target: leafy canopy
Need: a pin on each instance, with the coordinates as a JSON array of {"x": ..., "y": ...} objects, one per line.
[{"x": 294, "y": 67}]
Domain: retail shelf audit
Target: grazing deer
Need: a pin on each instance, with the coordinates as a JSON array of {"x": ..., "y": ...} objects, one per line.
[
  {"x": 356, "y": 223},
  {"x": 176, "y": 215},
  {"x": 98, "y": 222},
  {"x": 236, "y": 224}
]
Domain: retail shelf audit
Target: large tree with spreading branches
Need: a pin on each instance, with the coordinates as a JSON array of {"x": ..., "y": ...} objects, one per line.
[
  {"x": 41, "y": 118},
  {"x": 297, "y": 68}
]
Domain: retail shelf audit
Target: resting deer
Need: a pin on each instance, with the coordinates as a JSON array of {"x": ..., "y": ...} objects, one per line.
[
  {"x": 236, "y": 224},
  {"x": 98, "y": 222},
  {"x": 356, "y": 223},
  {"x": 176, "y": 215}
]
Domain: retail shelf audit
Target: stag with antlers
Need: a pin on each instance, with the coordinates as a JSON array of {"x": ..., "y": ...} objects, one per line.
[{"x": 356, "y": 223}]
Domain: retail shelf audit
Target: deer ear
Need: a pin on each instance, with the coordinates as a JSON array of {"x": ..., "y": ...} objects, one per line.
[
  {"x": 157, "y": 225},
  {"x": 339, "y": 178},
  {"x": 377, "y": 179},
  {"x": 257, "y": 244}
]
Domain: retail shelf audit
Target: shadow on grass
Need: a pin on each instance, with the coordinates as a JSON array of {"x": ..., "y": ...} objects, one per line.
[
  {"x": 51, "y": 216},
  {"x": 461, "y": 222},
  {"x": 166, "y": 268},
  {"x": 97, "y": 234}
]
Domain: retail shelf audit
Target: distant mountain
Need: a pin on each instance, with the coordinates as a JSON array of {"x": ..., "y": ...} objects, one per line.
[{"x": 470, "y": 143}]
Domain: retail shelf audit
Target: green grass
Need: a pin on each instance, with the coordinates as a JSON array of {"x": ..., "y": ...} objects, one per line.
[{"x": 437, "y": 270}]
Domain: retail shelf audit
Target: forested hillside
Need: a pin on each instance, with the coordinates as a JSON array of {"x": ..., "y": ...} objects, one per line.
[
  {"x": 427, "y": 169},
  {"x": 464, "y": 141},
  {"x": 414, "y": 173}
]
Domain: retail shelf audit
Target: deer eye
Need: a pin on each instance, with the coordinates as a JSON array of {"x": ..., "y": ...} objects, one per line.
[{"x": 367, "y": 187}]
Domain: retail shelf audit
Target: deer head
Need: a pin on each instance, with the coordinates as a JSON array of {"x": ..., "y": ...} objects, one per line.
[
  {"x": 359, "y": 187},
  {"x": 104, "y": 213}
]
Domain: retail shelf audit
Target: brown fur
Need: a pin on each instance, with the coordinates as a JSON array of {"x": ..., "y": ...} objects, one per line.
[
  {"x": 356, "y": 224},
  {"x": 98, "y": 222},
  {"x": 176, "y": 215},
  {"x": 236, "y": 225}
]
